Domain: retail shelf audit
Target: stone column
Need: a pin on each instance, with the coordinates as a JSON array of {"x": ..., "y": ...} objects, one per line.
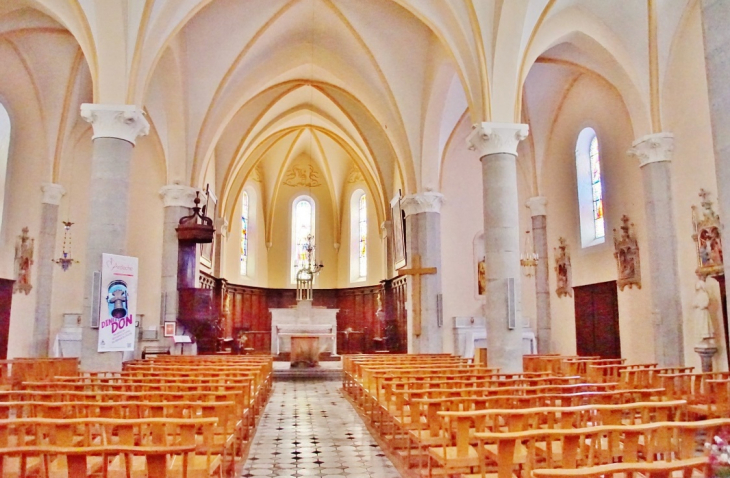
[
  {"x": 52, "y": 194},
  {"x": 221, "y": 232},
  {"x": 715, "y": 21},
  {"x": 386, "y": 233},
  {"x": 177, "y": 201},
  {"x": 116, "y": 128},
  {"x": 538, "y": 212},
  {"x": 496, "y": 144},
  {"x": 423, "y": 236},
  {"x": 654, "y": 153}
]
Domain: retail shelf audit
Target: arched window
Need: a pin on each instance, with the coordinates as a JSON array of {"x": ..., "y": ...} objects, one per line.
[
  {"x": 358, "y": 236},
  {"x": 244, "y": 233},
  {"x": 4, "y": 150},
  {"x": 302, "y": 230},
  {"x": 590, "y": 188},
  {"x": 363, "y": 237}
]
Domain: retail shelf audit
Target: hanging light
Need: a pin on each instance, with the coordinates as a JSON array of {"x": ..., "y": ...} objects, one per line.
[
  {"x": 65, "y": 261},
  {"x": 528, "y": 258}
]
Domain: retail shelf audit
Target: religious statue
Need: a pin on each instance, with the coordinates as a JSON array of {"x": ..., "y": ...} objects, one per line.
[
  {"x": 708, "y": 238},
  {"x": 23, "y": 261},
  {"x": 701, "y": 303},
  {"x": 482, "y": 276},
  {"x": 627, "y": 256},
  {"x": 562, "y": 269}
]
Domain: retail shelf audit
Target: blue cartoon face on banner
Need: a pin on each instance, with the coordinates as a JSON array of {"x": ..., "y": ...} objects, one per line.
[{"x": 117, "y": 299}]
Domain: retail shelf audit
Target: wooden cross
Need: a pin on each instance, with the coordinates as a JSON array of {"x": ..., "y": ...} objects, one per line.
[{"x": 416, "y": 270}]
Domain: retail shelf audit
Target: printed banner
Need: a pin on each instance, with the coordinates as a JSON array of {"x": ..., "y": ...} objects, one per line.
[{"x": 118, "y": 303}]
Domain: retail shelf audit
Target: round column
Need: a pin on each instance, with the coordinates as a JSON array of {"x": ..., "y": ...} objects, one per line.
[
  {"x": 116, "y": 128},
  {"x": 654, "y": 153},
  {"x": 52, "y": 194},
  {"x": 538, "y": 212},
  {"x": 496, "y": 144},
  {"x": 423, "y": 234}
]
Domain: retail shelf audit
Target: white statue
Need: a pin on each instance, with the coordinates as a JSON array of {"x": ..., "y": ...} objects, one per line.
[{"x": 701, "y": 303}]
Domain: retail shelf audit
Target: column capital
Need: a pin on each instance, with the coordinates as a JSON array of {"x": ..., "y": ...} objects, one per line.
[
  {"x": 221, "y": 226},
  {"x": 384, "y": 227},
  {"x": 177, "y": 195},
  {"x": 428, "y": 201},
  {"x": 537, "y": 205},
  {"x": 124, "y": 122},
  {"x": 653, "y": 148},
  {"x": 52, "y": 193},
  {"x": 494, "y": 138}
]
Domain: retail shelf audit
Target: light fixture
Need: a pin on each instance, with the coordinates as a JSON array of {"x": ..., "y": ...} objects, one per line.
[
  {"x": 65, "y": 261},
  {"x": 528, "y": 258}
]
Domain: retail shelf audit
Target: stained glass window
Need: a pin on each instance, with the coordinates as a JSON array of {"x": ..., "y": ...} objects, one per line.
[
  {"x": 244, "y": 234},
  {"x": 303, "y": 230},
  {"x": 596, "y": 188},
  {"x": 363, "y": 236}
]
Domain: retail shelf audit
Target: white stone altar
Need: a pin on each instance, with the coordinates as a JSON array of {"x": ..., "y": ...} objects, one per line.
[
  {"x": 303, "y": 320},
  {"x": 470, "y": 333}
]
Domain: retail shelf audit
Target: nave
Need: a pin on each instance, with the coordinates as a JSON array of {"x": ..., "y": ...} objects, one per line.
[{"x": 309, "y": 429}]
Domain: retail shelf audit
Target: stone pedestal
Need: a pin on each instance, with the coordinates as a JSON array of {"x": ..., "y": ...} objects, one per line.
[
  {"x": 496, "y": 144},
  {"x": 537, "y": 206},
  {"x": 116, "y": 128},
  {"x": 706, "y": 350},
  {"x": 654, "y": 153},
  {"x": 52, "y": 194},
  {"x": 423, "y": 233}
]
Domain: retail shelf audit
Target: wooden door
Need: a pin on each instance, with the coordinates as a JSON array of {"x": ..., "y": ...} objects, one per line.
[
  {"x": 6, "y": 298},
  {"x": 596, "y": 320}
]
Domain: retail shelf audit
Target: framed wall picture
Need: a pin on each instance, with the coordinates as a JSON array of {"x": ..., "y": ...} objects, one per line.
[
  {"x": 210, "y": 206},
  {"x": 399, "y": 234},
  {"x": 170, "y": 329}
]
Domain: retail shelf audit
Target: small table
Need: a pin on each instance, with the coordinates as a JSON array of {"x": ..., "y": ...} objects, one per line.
[{"x": 304, "y": 350}]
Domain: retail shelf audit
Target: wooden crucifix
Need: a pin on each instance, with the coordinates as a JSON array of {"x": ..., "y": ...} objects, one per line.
[{"x": 416, "y": 271}]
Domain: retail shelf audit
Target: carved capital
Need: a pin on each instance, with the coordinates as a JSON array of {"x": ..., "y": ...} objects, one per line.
[
  {"x": 495, "y": 138},
  {"x": 177, "y": 195},
  {"x": 422, "y": 202},
  {"x": 385, "y": 227},
  {"x": 221, "y": 226},
  {"x": 52, "y": 193},
  {"x": 116, "y": 121},
  {"x": 653, "y": 148},
  {"x": 537, "y": 205}
]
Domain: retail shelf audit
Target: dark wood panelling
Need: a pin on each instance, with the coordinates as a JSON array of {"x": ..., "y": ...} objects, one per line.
[
  {"x": 6, "y": 299},
  {"x": 396, "y": 318}
]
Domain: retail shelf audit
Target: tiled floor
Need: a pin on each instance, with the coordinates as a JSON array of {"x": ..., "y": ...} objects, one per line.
[{"x": 309, "y": 429}]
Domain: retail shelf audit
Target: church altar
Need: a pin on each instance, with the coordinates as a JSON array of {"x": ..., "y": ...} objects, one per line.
[{"x": 303, "y": 320}]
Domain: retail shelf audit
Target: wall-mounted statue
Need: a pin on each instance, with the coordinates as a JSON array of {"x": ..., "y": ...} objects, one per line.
[
  {"x": 627, "y": 256},
  {"x": 563, "y": 271},
  {"x": 23, "y": 261},
  {"x": 708, "y": 238}
]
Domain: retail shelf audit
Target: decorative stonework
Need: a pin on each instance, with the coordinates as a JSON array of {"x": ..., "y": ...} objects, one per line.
[
  {"x": 23, "y": 261},
  {"x": 354, "y": 176},
  {"x": 428, "y": 201},
  {"x": 537, "y": 205},
  {"x": 221, "y": 226},
  {"x": 52, "y": 193},
  {"x": 563, "y": 272},
  {"x": 258, "y": 173},
  {"x": 653, "y": 148},
  {"x": 384, "y": 226},
  {"x": 116, "y": 121},
  {"x": 302, "y": 175},
  {"x": 627, "y": 256},
  {"x": 708, "y": 239},
  {"x": 177, "y": 195},
  {"x": 495, "y": 138}
]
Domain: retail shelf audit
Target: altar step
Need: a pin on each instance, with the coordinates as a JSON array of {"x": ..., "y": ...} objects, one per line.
[
  {"x": 325, "y": 371},
  {"x": 323, "y": 357}
]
